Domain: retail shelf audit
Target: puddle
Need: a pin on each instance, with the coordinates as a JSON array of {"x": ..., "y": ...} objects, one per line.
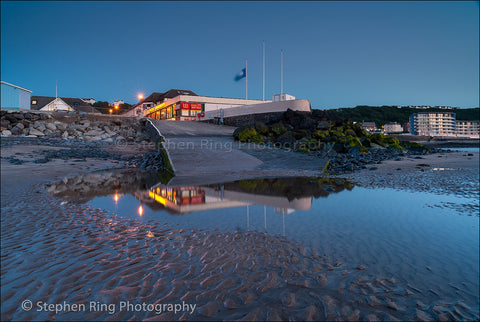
[{"x": 417, "y": 238}]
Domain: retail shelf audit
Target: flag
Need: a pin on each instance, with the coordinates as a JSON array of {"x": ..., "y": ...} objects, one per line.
[{"x": 241, "y": 75}]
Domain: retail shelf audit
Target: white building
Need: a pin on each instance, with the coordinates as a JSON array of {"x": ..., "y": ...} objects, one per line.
[
  {"x": 62, "y": 104},
  {"x": 468, "y": 128},
  {"x": 433, "y": 124},
  {"x": 118, "y": 102},
  {"x": 282, "y": 97},
  {"x": 393, "y": 127},
  {"x": 89, "y": 100},
  {"x": 15, "y": 97}
]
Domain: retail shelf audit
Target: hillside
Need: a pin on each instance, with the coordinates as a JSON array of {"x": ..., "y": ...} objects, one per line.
[{"x": 385, "y": 114}]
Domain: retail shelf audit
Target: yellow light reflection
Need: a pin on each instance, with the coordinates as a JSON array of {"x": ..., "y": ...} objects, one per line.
[
  {"x": 115, "y": 197},
  {"x": 140, "y": 210}
]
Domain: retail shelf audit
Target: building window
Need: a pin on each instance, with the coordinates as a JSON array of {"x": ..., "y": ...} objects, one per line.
[{"x": 34, "y": 102}]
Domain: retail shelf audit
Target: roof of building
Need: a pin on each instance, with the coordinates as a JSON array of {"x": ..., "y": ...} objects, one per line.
[
  {"x": 16, "y": 86},
  {"x": 75, "y": 103},
  {"x": 156, "y": 97}
]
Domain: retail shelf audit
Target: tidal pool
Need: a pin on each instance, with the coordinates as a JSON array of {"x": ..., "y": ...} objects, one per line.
[{"x": 429, "y": 243}]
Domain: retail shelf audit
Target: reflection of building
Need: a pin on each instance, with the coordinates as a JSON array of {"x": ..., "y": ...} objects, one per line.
[
  {"x": 188, "y": 199},
  {"x": 14, "y": 96},
  {"x": 434, "y": 124}
]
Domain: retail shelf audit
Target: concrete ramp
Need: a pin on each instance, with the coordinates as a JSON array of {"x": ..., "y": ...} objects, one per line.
[
  {"x": 191, "y": 128},
  {"x": 209, "y": 153}
]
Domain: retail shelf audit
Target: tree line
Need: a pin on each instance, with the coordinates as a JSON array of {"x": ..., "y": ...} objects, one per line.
[{"x": 386, "y": 114}]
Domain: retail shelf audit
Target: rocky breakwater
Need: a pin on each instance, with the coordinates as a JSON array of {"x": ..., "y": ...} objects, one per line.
[
  {"x": 30, "y": 124},
  {"x": 346, "y": 145}
]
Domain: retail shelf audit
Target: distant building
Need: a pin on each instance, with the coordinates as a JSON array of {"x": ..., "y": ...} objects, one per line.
[
  {"x": 468, "y": 128},
  {"x": 64, "y": 104},
  {"x": 118, "y": 102},
  {"x": 369, "y": 126},
  {"x": 406, "y": 127},
  {"x": 393, "y": 127},
  {"x": 15, "y": 97},
  {"x": 433, "y": 124},
  {"x": 89, "y": 100},
  {"x": 282, "y": 97}
]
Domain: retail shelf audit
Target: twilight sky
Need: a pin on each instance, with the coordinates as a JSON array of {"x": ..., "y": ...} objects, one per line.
[{"x": 336, "y": 54}]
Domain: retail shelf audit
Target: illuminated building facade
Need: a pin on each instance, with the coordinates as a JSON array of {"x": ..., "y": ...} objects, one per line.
[
  {"x": 184, "y": 105},
  {"x": 433, "y": 124}
]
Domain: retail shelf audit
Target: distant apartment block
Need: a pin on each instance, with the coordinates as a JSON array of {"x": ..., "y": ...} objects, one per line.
[
  {"x": 118, "y": 102},
  {"x": 13, "y": 96},
  {"x": 393, "y": 127},
  {"x": 433, "y": 124},
  {"x": 468, "y": 128}
]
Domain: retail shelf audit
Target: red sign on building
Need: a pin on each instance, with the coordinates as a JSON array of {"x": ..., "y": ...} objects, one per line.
[
  {"x": 185, "y": 106},
  {"x": 196, "y": 106}
]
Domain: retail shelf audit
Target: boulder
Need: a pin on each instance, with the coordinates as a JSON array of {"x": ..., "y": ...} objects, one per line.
[
  {"x": 11, "y": 118},
  {"x": 6, "y": 133},
  {"x": 286, "y": 139},
  {"x": 4, "y": 123},
  {"x": 27, "y": 116},
  {"x": 36, "y": 132},
  {"x": 18, "y": 116},
  {"x": 51, "y": 126},
  {"x": 17, "y": 131},
  {"x": 65, "y": 135},
  {"x": 94, "y": 133},
  {"x": 20, "y": 125},
  {"x": 61, "y": 126}
]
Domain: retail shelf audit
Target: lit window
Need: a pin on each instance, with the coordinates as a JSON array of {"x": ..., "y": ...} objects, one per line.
[{"x": 34, "y": 102}]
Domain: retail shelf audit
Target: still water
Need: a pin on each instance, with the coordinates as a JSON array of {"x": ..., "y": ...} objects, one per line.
[{"x": 427, "y": 241}]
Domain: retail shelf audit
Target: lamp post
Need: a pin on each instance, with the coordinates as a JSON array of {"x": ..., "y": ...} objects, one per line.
[{"x": 110, "y": 111}]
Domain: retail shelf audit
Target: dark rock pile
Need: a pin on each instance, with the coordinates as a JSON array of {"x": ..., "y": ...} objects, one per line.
[
  {"x": 346, "y": 145},
  {"x": 153, "y": 161},
  {"x": 35, "y": 124}
]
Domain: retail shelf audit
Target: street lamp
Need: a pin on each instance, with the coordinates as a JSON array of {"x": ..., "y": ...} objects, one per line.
[
  {"x": 140, "y": 97},
  {"x": 116, "y": 107},
  {"x": 111, "y": 111}
]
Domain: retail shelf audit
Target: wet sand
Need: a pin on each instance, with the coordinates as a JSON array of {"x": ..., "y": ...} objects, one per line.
[{"x": 54, "y": 251}]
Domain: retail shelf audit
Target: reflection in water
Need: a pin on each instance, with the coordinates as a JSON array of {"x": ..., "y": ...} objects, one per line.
[
  {"x": 283, "y": 194},
  {"x": 393, "y": 234}
]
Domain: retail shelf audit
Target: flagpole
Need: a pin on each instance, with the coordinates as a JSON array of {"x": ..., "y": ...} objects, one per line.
[
  {"x": 263, "y": 87},
  {"x": 246, "y": 80},
  {"x": 281, "y": 73}
]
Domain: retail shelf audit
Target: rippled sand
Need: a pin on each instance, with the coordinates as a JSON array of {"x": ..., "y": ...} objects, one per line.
[{"x": 54, "y": 251}]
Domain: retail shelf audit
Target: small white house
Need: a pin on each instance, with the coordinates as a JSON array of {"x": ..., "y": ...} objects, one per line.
[
  {"x": 14, "y": 96},
  {"x": 64, "y": 104},
  {"x": 282, "y": 97}
]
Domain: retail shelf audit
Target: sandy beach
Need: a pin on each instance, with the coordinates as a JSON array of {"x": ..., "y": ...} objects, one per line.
[{"x": 58, "y": 252}]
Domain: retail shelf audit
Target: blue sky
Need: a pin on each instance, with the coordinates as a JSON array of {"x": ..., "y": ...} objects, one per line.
[{"x": 336, "y": 54}]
